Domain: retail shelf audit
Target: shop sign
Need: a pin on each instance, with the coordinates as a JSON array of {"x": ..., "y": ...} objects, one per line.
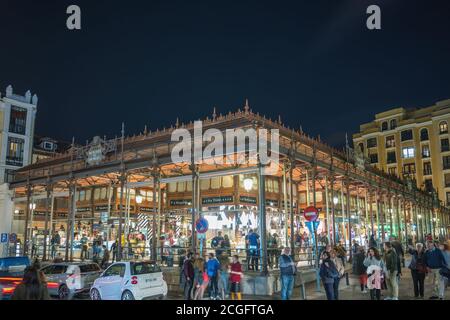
[
  {"x": 247, "y": 199},
  {"x": 146, "y": 209},
  {"x": 311, "y": 213},
  {"x": 201, "y": 225},
  {"x": 214, "y": 200},
  {"x": 125, "y": 207},
  {"x": 180, "y": 202},
  {"x": 318, "y": 209},
  {"x": 271, "y": 203},
  {"x": 102, "y": 208},
  {"x": 84, "y": 209}
]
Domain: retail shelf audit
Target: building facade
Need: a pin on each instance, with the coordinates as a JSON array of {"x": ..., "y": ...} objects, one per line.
[
  {"x": 17, "y": 118},
  {"x": 411, "y": 143},
  {"x": 121, "y": 189}
]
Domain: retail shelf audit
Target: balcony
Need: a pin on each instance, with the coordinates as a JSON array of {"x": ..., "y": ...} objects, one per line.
[{"x": 14, "y": 161}]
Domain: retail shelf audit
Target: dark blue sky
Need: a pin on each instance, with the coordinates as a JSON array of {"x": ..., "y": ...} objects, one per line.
[{"x": 148, "y": 62}]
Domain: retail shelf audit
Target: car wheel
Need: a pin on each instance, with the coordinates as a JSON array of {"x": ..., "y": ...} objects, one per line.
[
  {"x": 63, "y": 292},
  {"x": 95, "y": 295},
  {"x": 127, "y": 295}
]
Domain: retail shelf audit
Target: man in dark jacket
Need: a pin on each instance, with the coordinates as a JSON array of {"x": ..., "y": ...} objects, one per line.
[
  {"x": 188, "y": 272},
  {"x": 287, "y": 271},
  {"x": 398, "y": 249},
  {"x": 359, "y": 268},
  {"x": 391, "y": 262},
  {"x": 434, "y": 261}
]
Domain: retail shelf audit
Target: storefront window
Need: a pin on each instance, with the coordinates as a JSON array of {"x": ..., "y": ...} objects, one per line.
[
  {"x": 172, "y": 186},
  {"x": 96, "y": 194},
  {"x": 276, "y": 187},
  {"x": 181, "y": 186}
]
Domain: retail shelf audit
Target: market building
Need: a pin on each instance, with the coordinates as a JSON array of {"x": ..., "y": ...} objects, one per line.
[{"x": 129, "y": 188}]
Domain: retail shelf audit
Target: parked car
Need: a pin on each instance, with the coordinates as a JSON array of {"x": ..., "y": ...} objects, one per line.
[
  {"x": 130, "y": 281},
  {"x": 11, "y": 274},
  {"x": 65, "y": 275}
]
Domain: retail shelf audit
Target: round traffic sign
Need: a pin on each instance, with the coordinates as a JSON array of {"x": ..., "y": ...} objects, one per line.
[
  {"x": 201, "y": 225},
  {"x": 311, "y": 213}
]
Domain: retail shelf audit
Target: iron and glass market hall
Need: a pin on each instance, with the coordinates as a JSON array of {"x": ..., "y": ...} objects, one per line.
[{"x": 129, "y": 188}]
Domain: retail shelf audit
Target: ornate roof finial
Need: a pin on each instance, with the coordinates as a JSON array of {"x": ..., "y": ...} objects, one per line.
[
  {"x": 246, "y": 107},
  {"x": 301, "y": 129},
  {"x": 214, "y": 115},
  {"x": 145, "y": 130},
  {"x": 279, "y": 119},
  {"x": 178, "y": 123}
]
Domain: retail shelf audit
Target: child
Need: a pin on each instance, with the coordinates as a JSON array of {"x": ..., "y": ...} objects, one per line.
[{"x": 235, "y": 278}]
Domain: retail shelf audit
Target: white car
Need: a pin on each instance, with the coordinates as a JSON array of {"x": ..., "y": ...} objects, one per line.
[{"x": 130, "y": 280}]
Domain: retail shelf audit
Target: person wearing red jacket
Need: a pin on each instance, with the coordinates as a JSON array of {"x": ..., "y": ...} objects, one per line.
[{"x": 235, "y": 278}]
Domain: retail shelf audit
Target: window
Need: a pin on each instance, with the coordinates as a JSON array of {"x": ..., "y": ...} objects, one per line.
[
  {"x": 408, "y": 152},
  {"x": 215, "y": 183},
  {"x": 115, "y": 270},
  {"x": 425, "y": 151},
  {"x": 384, "y": 126},
  {"x": 181, "y": 186},
  {"x": 48, "y": 146},
  {"x": 392, "y": 171},
  {"x": 18, "y": 120},
  {"x": 444, "y": 145},
  {"x": 172, "y": 186},
  {"x": 393, "y": 124},
  {"x": 96, "y": 193},
  {"x": 428, "y": 184},
  {"x": 138, "y": 268},
  {"x": 443, "y": 127},
  {"x": 88, "y": 194},
  {"x": 373, "y": 158},
  {"x": 9, "y": 175},
  {"x": 103, "y": 193},
  {"x": 391, "y": 157},
  {"x": 446, "y": 162},
  {"x": 14, "y": 156},
  {"x": 371, "y": 143},
  {"x": 54, "y": 269},
  {"x": 390, "y": 142},
  {"x": 204, "y": 184},
  {"x": 447, "y": 180},
  {"x": 423, "y": 134},
  {"x": 409, "y": 168},
  {"x": 447, "y": 194},
  {"x": 227, "y": 181},
  {"x": 276, "y": 188},
  {"x": 406, "y": 135},
  {"x": 427, "y": 168}
]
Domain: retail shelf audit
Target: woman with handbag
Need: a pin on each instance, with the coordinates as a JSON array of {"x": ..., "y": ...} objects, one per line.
[
  {"x": 374, "y": 259},
  {"x": 418, "y": 269}
]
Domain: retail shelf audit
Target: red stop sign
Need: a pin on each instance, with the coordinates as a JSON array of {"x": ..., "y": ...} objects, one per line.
[{"x": 311, "y": 213}]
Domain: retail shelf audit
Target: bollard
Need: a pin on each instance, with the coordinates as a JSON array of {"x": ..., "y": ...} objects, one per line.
[{"x": 347, "y": 281}]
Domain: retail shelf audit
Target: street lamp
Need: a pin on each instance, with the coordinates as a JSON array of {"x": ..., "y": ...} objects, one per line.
[
  {"x": 248, "y": 184},
  {"x": 138, "y": 199},
  {"x": 335, "y": 200}
]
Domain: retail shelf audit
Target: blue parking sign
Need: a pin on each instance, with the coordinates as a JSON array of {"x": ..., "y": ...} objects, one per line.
[{"x": 4, "y": 238}]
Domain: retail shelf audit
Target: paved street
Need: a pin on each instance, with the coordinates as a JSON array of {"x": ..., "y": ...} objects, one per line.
[{"x": 351, "y": 291}]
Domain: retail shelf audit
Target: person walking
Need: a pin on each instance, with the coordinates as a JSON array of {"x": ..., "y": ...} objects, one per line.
[
  {"x": 253, "y": 247},
  {"x": 359, "y": 269},
  {"x": 445, "y": 271},
  {"x": 84, "y": 247},
  {"x": 341, "y": 271},
  {"x": 217, "y": 243},
  {"x": 212, "y": 269},
  {"x": 434, "y": 261},
  {"x": 375, "y": 267},
  {"x": 188, "y": 272},
  {"x": 288, "y": 271},
  {"x": 105, "y": 259},
  {"x": 236, "y": 275},
  {"x": 31, "y": 287},
  {"x": 418, "y": 269},
  {"x": 391, "y": 264},
  {"x": 199, "y": 268},
  {"x": 328, "y": 273},
  {"x": 224, "y": 261},
  {"x": 114, "y": 251},
  {"x": 398, "y": 249}
]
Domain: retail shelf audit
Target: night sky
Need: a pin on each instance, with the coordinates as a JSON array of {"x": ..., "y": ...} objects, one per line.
[{"x": 148, "y": 62}]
